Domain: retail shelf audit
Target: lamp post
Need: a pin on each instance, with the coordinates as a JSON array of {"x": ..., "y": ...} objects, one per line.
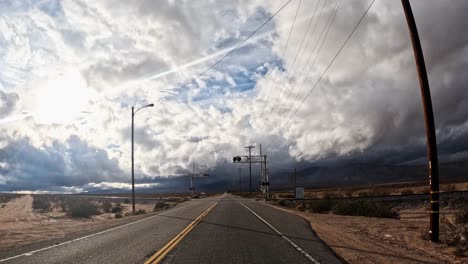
[{"x": 133, "y": 160}]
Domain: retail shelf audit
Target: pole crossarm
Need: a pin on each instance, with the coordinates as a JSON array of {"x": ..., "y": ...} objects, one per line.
[{"x": 245, "y": 159}]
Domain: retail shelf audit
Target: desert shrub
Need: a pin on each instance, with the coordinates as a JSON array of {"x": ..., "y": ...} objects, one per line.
[
  {"x": 300, "y": 207},
  {"x": 196, "y": 197},
  {"x": 285, "y": 203},
  {"x": 106, "y": 206},
  {"x": 320, "y": 206},
  {"x": 118, "y": 215},
  {"x": 450, "y": 188},
  {"x": 364, "y": 208},
  {"x": 81, "y": 208},
  {"x": 362, "y": 194},
  {"x": 127, "y": 201},
  {"x": 286, "y": 195},
  {"x": 116, "y": 209},
  {"x": 456, "y": 234},
  {"x": 407, "y": 192},
  {"x": 461, "y": 216},
  {"x": 3, "y": 205},
  {"x": 160, "y": 206},
  {"x": 41, "y": 202},
  {"x": 6, "y": 197},
  {"x": 140, "y": 211}
]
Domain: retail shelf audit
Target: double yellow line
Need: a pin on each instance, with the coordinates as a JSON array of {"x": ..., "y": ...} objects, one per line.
[{"x": 161, "y": 254}]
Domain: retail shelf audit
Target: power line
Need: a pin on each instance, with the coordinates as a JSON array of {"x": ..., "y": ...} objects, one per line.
[
  {"x": 328, "y": 23},
  {"x": 316, "y": 56},
  {"x": 300, "y": 45},
  {"x": 230, "y": 52},
  {"x": 325, "y": 71},
  {"x": 287, "y": 42},
  {"x": 289, "y": 75}
]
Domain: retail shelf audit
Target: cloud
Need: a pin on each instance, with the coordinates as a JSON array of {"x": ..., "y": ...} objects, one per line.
[
  {"x": 8, "y": 103},
  {"x": 69, "y": 164}
]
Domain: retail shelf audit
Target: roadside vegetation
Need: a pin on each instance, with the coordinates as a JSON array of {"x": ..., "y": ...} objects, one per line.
[
  {"x": 455, "y": 231},
  {"x": 344, "y": 207},
  {"x": 79, "y": 207}
]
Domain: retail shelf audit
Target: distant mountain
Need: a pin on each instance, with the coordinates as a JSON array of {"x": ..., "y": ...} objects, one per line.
[{"x": 368, "y": 174}]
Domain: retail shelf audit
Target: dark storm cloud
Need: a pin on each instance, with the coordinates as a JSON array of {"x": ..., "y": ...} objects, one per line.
[{"x": 68, "y": 164}]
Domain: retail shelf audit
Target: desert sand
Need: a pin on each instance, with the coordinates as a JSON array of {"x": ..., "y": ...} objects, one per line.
[
  {"x": 358, "y": 239},
  {"x": 21, "y": 225}
]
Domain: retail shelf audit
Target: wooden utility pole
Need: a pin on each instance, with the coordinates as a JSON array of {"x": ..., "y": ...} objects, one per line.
[{"x": 429, "y": 122}]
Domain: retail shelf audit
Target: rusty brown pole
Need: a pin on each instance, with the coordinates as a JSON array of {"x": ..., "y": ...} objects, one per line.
[{"x": 429, "y": 122}]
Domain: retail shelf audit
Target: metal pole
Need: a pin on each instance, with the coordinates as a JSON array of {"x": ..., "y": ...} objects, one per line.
[
  {"x": 262, "y": 176},
  {"x": 240, "y": 180},
  {"x": 267, "y": 178},
  {"x": 429, "y": 122},
  {"x": 295, "y": 185},
  {"x": 133, "y": 171},
  {"x": 250, "y": 168},
  {"x": 191, "y": 178}
]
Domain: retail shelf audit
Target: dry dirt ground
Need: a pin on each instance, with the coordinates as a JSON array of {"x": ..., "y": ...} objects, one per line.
[
  {"x": 360, "y": 239},
  {"x": 21, "y": 225}
]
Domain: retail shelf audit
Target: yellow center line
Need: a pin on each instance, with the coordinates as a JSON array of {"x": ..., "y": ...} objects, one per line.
[{"x": 161, "y": 254}]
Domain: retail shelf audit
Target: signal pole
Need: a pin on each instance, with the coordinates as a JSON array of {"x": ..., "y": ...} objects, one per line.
[
  {"x": 429, "y": 122},
  {"x": 240, "y": 180},
  {"x": 191, "y": 178},
  {"x": 250, "y": 168},
  {"x": 295, "y": 186}
]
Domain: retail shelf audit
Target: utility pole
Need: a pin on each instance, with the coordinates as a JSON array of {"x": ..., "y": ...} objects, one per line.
[
  {"x": 250, "y": 168},
  {"x": 133, "y": 161},
  {"x": 240, "y": 180},
  {"x": 429, "y": 122}
]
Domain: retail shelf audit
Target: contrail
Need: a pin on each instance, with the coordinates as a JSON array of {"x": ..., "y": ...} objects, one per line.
[{"x": 131, "y": 83}]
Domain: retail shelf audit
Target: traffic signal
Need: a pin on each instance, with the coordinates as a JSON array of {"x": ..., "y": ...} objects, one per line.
[{"x": 237, "y": 159}]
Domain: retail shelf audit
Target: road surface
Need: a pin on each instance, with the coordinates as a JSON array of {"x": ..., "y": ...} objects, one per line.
[{"x": 225, "y": 229}]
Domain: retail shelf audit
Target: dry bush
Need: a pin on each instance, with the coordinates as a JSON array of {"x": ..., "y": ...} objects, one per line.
[
  {"x": 320, "y": 206},
  {"x": 161, "y": 206},
  {"x": 106, "y": 206},
  {"x": 41, "y": 202},
  {"x": 140, "y": 211},
  {"x": 456, "y": 233},
  {"x": 364, "y": 208},
  {"x": 118, "y": 215},
  {"x": 81, "y": 208}
]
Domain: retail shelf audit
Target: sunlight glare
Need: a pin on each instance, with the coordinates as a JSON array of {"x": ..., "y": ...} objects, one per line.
[{"x": 61, "y": 100}]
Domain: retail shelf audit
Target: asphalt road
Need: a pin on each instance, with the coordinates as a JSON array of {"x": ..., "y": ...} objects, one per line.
[{"x": 229, "y": 230}]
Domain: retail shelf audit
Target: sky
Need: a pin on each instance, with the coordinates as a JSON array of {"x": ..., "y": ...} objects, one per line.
[{"x": 71, "y": 70}]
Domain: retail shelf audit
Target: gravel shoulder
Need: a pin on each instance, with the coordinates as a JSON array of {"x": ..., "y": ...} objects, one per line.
[{"x": 359, "y": 239}]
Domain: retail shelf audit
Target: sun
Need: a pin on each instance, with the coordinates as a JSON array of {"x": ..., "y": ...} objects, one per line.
[{"x": 60, "y": 99}]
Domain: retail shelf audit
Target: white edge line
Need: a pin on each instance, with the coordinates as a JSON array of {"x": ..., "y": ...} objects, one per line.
[
  {"x": 283, "y": 236},
  {"x": 88, "y": 236}
]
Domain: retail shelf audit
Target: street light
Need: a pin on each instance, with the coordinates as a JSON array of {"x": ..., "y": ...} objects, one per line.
[{"x": 133, "y": 172}]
